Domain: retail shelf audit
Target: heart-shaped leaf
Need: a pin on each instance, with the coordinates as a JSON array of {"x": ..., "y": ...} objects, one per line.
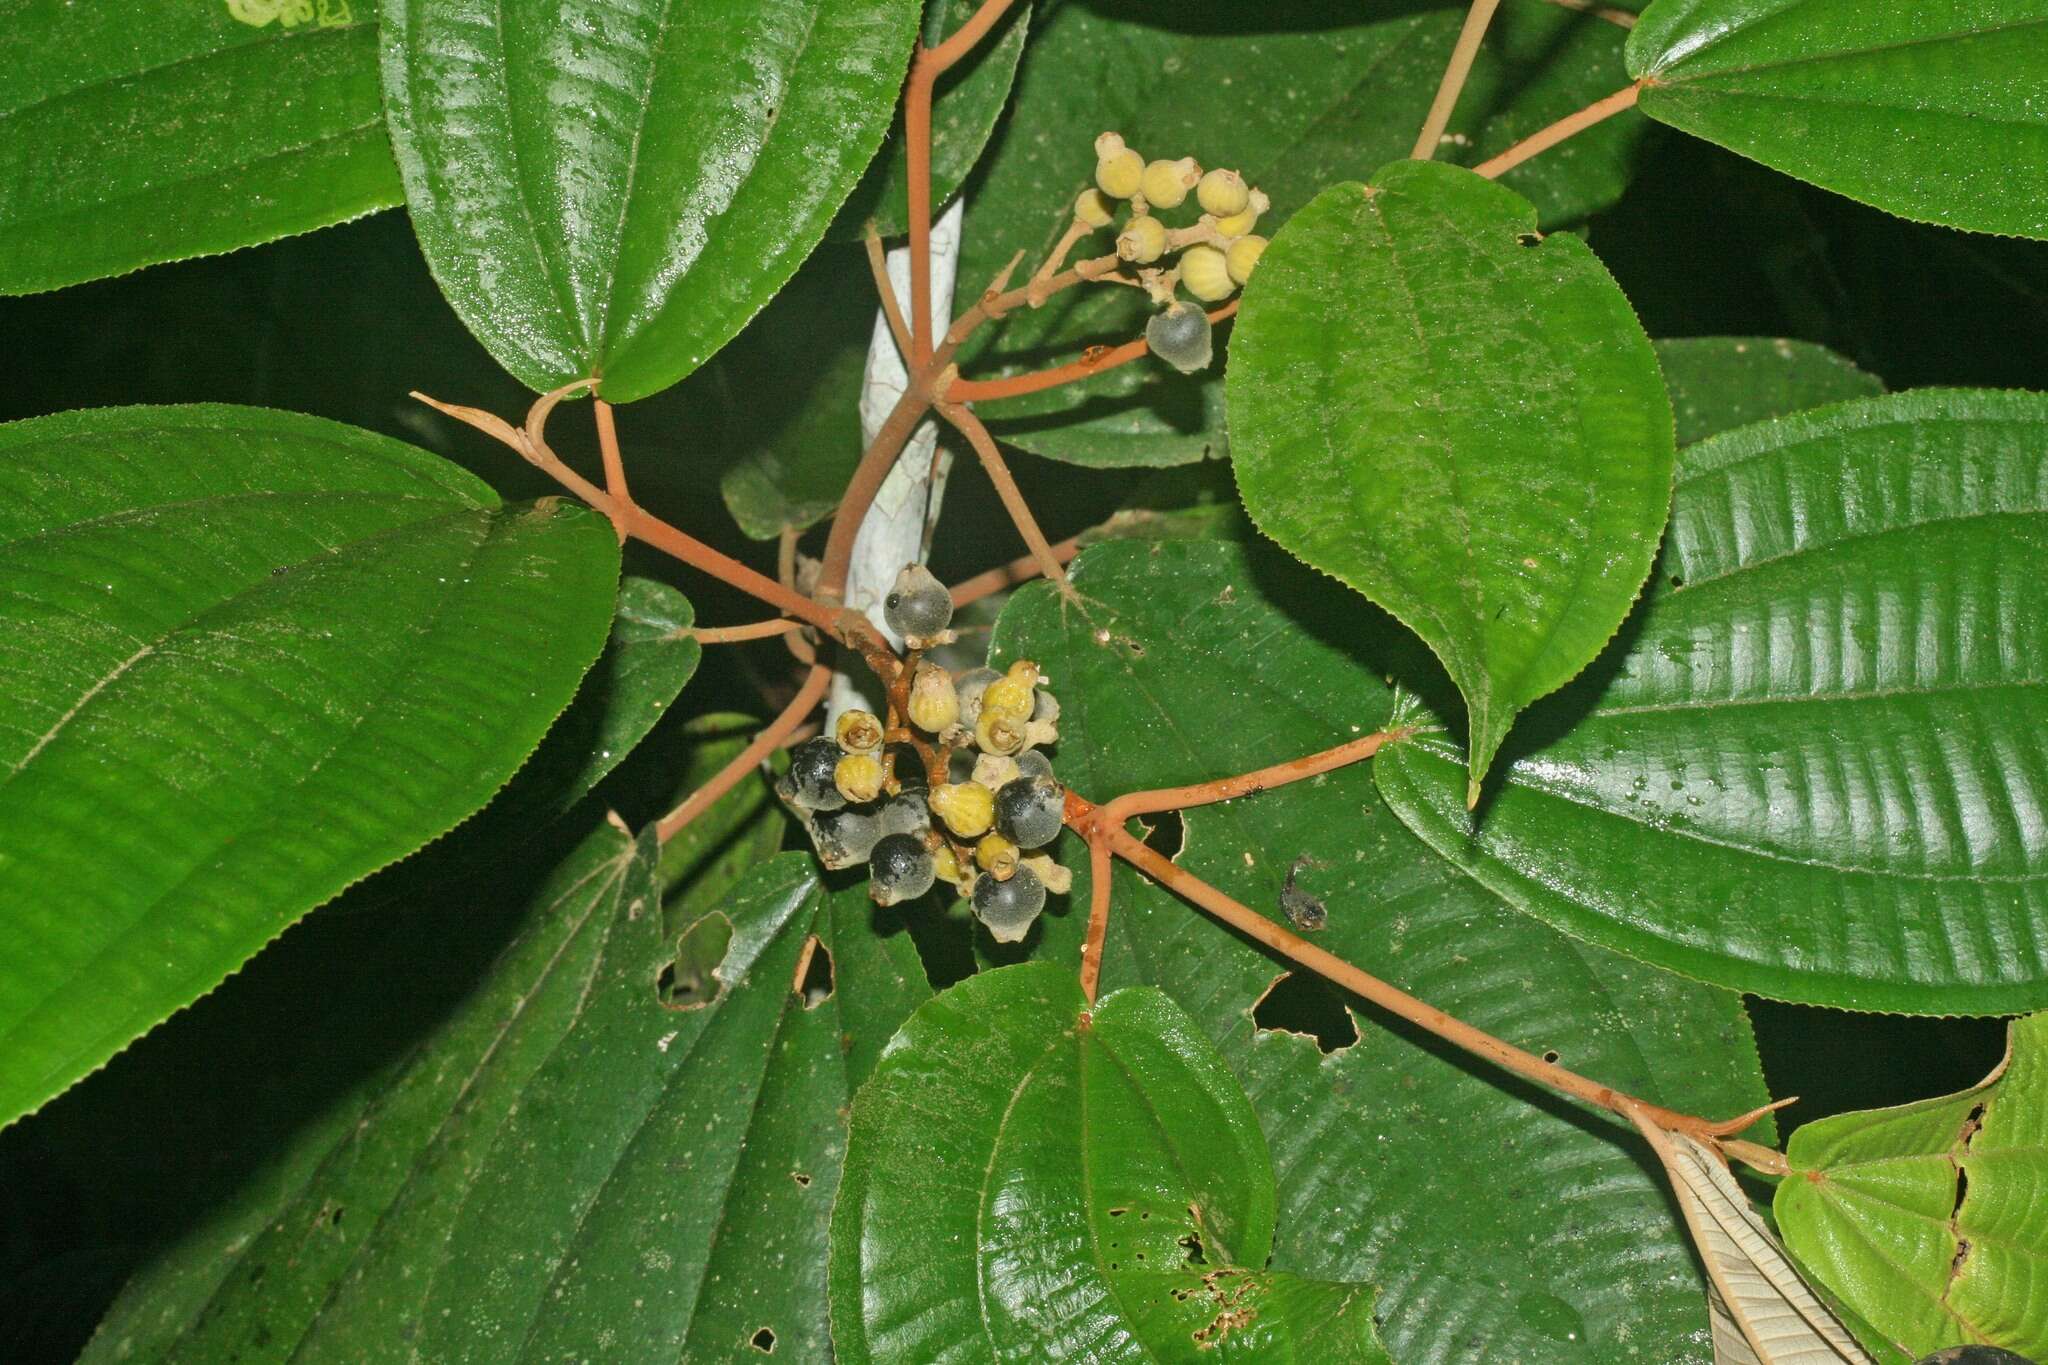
[
  {"x": 1400, "y": 1163},
  {"x": 1926, "y": 1219},
  {"x": 1929, "y": 111},
  {"x": 1810, "y": 768},
  {"x": 1034, "y": 1179},
  {"x": 132, "y": 134},
  {"x": 252, "y": 657},
  {"x": 1464, "y": 423},
  {"x": 614, "y": 190}
]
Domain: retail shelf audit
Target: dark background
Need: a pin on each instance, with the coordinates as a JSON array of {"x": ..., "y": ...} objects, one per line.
[{"x": 343, "y": 322}]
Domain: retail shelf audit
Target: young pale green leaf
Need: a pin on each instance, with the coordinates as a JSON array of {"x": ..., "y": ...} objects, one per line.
[
  {"x": 251, "y": 658},
  {"x": 1721, "y": 382},
  {"x": 968, "y": 100},
  {"x": 1811, "y": 767},
  {"x": 1464, "y": 423},
  {"x": 136, "y": 134},
  {"x": 1929, "y": 111},
  {"x": 1029, "y": 1178},
  {"x": 1295, "y": 94},
  {"x": 1498, "y": 1224},
  {"x": 512, "y": 1191},
  {"x": 1927, "y": 1219},
  {"x": 614, "y": 193}
]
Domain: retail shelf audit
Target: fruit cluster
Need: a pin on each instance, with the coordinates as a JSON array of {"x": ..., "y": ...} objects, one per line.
[
  {"x": 955, "y": 787},
  {"x": 1211, "y": 257}
]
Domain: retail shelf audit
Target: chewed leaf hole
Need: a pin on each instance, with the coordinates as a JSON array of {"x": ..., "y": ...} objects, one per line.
[
  {"x": 689, "y": 981},
  {"x": 1192, "y": 1245},
  {"x": 802, "y": 1179},
  {"x": 813, "y": 983},
  {"x": 1297, "y": 1003},
  {"x": 1166, "y": 834},
  {"x": 763, "y": 1341}
]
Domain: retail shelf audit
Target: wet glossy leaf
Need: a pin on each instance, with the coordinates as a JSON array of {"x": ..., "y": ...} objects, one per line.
[
  {"x": 1335, "y": 98},
  {"x": 252, "y": 657},
  {"x": 1499, "y": 1224},
  {"x": 1927, "y": 1218},
  {"x": 616, "y": 190},
  {"x": 499, "y": 1188},
  {"x": 136, "y": 134},
  {"x": 1927, "y": 111},
  {"x": 1027, "y": 1178},
  {"x": 1464, "y": 424},
  {"x": 1811, "y": 765},
  {"x": 1721, "y": 382}
]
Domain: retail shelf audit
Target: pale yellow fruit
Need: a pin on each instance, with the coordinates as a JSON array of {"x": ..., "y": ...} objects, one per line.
[
  {"x": 1093, "y": 208},
  {"x": 1166, "y": 183},
  {"x": 1142, "y": 241},
  {"x": 1223, "y": 192},
  {"x": 967, "y": 808},
  {"x": 1118, "y": 175},
  {"x": 1206, "y": 273},
  {"x": 1244, "y": 254}
]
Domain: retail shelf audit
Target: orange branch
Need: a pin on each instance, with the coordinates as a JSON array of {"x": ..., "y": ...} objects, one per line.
[
  {"x": 1455, "y": 72},
  {"x": 878, "y": 266},
  {"x": 1545, "y": 138},
  {"x": 758, "y": 630},
  {"x": 1006, "y": 488},
  {"x": 1094, "y": 361},
  {"x": 765, "y": 743},
  {"x": 1021, "y": 570},
  {"x": 1113, "y": 814}
]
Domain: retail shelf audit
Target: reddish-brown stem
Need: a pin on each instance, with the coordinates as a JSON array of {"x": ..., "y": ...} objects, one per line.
[
  {"x": 1020, "y": 570},
  {"x": 878, "y": 266},
  {"x": 962, "y": 40},
  {"x": 1092, "y": 362},
  {"x": 875, "y": 463},
  {"x": 1398, "y": 1002},
  {"x": 758, "y": 630},
  {"x": 1113, "y": 813},
  {"x": 1545, "y": 138},
  {"x": 1006, "y": 488},
  {"x": 608, "y": 449},
  {"x": 1099, "y": 873},
  {"x": 799, "y": 709},
  {"x": 1455, "y": 72}
]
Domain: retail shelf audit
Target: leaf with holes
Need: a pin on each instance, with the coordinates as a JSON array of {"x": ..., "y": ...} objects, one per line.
[
  {"x": 615, "y": 192},
  {"x": 1721, "y": 382},
  {"x": 564, "y": 1101},
  {"x": 1927, "y": 111},
  {"x": 1098, "y": 1190},
  {"x": 252, "y": 657},
  {"x": 136, "y": 134},
  {"x": 1812, "y": 766},
  {"x": 1497, "y": 1222},
  {"x": 1927, "y": 1219},
  {"x": 1465, "y": 424},
  {"x": 1304, "y": 94}
]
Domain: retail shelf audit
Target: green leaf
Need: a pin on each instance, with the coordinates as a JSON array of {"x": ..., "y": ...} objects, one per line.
[
  {"x": 1027, "y": 1178},
  {"x": 498, "y": 1189},
  {"x": 1721, "y": 382},
  {"x": 965, "y": 105},
  {"x": 1811, "y": 765},
  {"x": 1926, "y": 111},
  {"x": 1296, "y": 95},
  {"x": 617, "y": 198},
  {"x": 1927, "y": 1218},
  {"x": 1464, "y": 424},
  {"x": 744, "y": 827},
  {"x": 252, "y": 657},
  {"x": 136, "y": 134},
  {"x": 1400, "y": 1163}
]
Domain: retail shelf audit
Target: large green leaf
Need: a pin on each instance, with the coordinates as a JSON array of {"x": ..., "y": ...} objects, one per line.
[
  {"x": 1028, "y": 1178},
  {"x": 251, "y": 657},
  {"x": 1929, "y": 111},
  {"x": 1499, "y": 1223},
  {"x": 1928, "y": 1219},
  {"x": 1464, "y": 424},
  {"x": 614, "y": 190},
  {"x": 1296, "y": 94},
  {"x": 1721, "y": 382},
  {"x": 568, "y": 1165},
  {"x": 136, "y": 134},
  {"x": 1812, "y": 765}
]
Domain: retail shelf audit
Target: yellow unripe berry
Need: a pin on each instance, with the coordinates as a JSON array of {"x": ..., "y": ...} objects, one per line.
[
  {"x": 1093, "y": 208},
  {"x": 859, "y": 732},
  {"x": 1222, "y": 192},
  {"x": 1013, "y": 693},
  {"x": 968, "y": 808},
  {"x": 1243, "y": 254},
  {"x": 996, "y": 856},
  {"x": 1143, "y": 240},
  {"x": 934, "y": 703},
  {"x": 1118, "y": 175},
  {"x": 1243, "y": 221},
  {"x": 1206, "y": 273},
  {"x": 947, "y": 867},
  {"x": 858, "y": 777},
  {"x": 1001, "y": 732},
  {"x": 1166, "y": 183}
]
